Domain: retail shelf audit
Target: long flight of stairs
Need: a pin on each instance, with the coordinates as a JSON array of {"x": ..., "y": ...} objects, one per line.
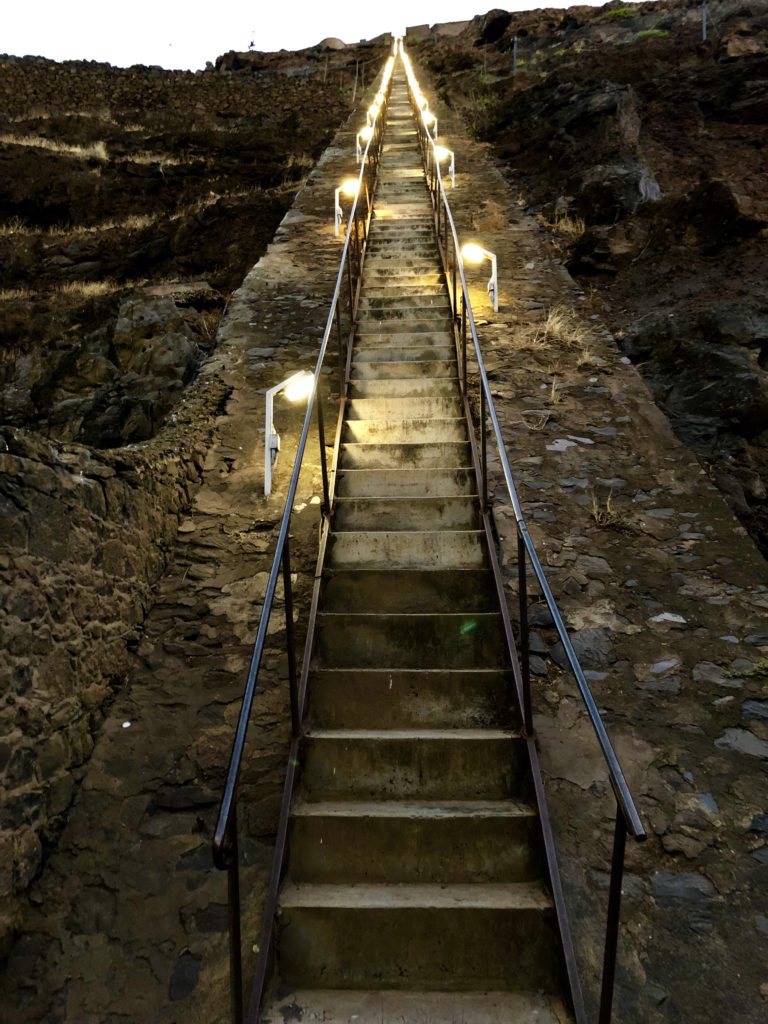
[{"x": 415, "y": 883}]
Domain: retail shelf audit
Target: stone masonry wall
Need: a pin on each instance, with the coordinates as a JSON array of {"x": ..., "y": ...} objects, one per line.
[{"x": 83, "y": 536}]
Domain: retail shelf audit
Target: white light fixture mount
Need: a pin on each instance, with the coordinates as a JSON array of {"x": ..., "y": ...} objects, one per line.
[
  {"x": 296, "y": 387},
  {"x": 473, "y": 253}
]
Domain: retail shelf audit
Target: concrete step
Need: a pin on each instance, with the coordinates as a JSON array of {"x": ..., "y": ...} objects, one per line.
[
  {"x": 455, "y": 513},
  {"x": 398, "y": 407},
  {"x": 415, "y": 350},
  {"x": 394, "y": 369},
  {"x": 392, "y": 317},
  {"x": 411, "y": 699},
  {"x": 392, "y": 209},
  {"x": 413, "y": 299},
  {"x": 401, "y": 270},
  {"x": 340, "y": 1006},
  {"x": 372, "y": 293},
  {"x": 408, "y": 549},
  {"x": 403, "y": 326},
  {"x": 484, "y": 936},
  {"x": 421, "y": 430},
  {"x": 458, "y": 479},
  {"x": 363, "y": 842},
  {"x": 428, "y": 640},
  {"x": 429, "y": 455},
  {"x": 423, "y": 764},
  {"x": 410, "y": 387},
  {"x": 409, "y": 591}
]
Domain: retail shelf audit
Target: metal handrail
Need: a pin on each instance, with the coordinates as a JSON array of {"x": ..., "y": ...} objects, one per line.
[
  {"x": 628, "y": 821},
  {"x": 225, "y": 840}
]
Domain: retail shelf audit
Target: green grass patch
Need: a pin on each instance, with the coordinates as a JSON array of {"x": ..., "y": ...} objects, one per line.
[{"x": 652, "y": 33}]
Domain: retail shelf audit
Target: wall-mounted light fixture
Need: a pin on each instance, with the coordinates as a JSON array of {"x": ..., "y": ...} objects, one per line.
[
  {"x": 472, "y": 253},
  {"x": 347, "y": 188},
  {"x": 441, "y": 153},
  {"x": 363, "y": 136},
  {"x": 430, "y": 121},
  {"x": 296, "y": 388}
]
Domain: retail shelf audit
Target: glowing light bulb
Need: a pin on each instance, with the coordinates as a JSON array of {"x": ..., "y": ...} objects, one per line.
[
  {"x": 349, "y": 187},
  {"x": 472, "y": 253},
  {"x": 366, "y": 134},
  {"x": 442, "y": 153},
  {"x": 301, "y": 387}
]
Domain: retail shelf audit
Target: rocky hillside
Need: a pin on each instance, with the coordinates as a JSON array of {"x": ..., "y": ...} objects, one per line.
[
  {"x": 642, "y": 148},
  {"x": 132, "y": 202}
]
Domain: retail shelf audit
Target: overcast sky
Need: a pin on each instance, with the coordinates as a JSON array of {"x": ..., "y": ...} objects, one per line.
[{"x": 187, "y": 33}]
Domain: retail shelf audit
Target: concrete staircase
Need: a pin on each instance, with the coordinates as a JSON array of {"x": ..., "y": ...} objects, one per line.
[{"x": 414, "y": 887}]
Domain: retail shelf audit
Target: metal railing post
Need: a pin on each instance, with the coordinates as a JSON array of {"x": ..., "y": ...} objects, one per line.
[
  {"x": 326, "y": 506},
  {"x": 235, "y": 937},
  {"x": 483, "y": 453},
  {"x": 525, "y": 652},
  {"x": 463, "y": 342},
  {"x": 340, "y": 338},
  {"x": 289, "y": 640},
  {"x": 612, "y": 923}
]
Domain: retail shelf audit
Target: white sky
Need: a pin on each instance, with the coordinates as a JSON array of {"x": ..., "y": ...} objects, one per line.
[{"x": 187, "y": 33}]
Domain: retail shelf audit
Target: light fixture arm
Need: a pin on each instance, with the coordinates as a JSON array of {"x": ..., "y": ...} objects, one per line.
[
  {"x": 271, "y": 436},
  {"x": 493, "y": 284},
  {"x": 338, "y": 213}
]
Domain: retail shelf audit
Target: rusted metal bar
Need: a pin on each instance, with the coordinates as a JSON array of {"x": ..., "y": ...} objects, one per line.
[
  {"x": 235, "y": 937},
  {"x": 326, "y": 506},
  {"x": 612, "y": 923},
  {"x": 289, "y": 638}
]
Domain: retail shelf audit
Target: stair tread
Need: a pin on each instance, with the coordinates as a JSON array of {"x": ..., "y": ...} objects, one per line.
[
  {"x": 404, "y": 896},
  {"x": 360, "y": 1006},
  {"x": 467, "y": 735},
  {"x": 415, "y": 809}
]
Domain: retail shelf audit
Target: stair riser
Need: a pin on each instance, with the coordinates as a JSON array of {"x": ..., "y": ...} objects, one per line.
[
  {"x": 370, "y": 320},
  {"x": 430, "y": 295},
  {"x": 429, "y": 641},
  {"x": 407, "y": 388},
  {"x": 403, "y": 326},
  {"x": 387, "y": 514},
  {"x": 409, "y": 483},
  {"x": 409, "y": 592},
  {"x": 415, "y": 351},
  {"x": 398, "y": 408},
  {"x": 404, "y": 431},
  {"x": 417, "y": 949},
  {"x": 457, "y": 550},
  {"x": 403, "y": 369},
  {"x": 356, "y": 850},
  {"x": 423, "y": 769},
  {"x": 435, "y": 344},
  {"x": 354, "y": 699},
  {"x": 371, "y": 293}
]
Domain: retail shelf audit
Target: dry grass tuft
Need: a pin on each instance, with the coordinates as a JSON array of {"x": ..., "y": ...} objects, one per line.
[
  {"x": 569, "y": 227},
  {"x": 563, "y": 325},
  {"x": 96, "y": 151},
  {"x": 605, "y": 514},
  {"x": 536, "y": 419},
  {"x": 14, "y": 294}
]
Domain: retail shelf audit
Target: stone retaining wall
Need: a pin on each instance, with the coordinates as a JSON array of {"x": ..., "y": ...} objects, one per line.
[{"x": 84, "y": 535}]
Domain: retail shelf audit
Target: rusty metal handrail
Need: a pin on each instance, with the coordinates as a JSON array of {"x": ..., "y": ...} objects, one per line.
[
  {"x": 225, "y": 840},
  {"x": 628, "y": 821}
]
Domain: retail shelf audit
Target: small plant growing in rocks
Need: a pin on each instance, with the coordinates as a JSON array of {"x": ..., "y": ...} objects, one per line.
[{"x": 605, "y": 513}]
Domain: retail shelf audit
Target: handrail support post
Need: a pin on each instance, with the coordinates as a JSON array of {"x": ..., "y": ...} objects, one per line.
[{"x": 612, "y": 923}]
